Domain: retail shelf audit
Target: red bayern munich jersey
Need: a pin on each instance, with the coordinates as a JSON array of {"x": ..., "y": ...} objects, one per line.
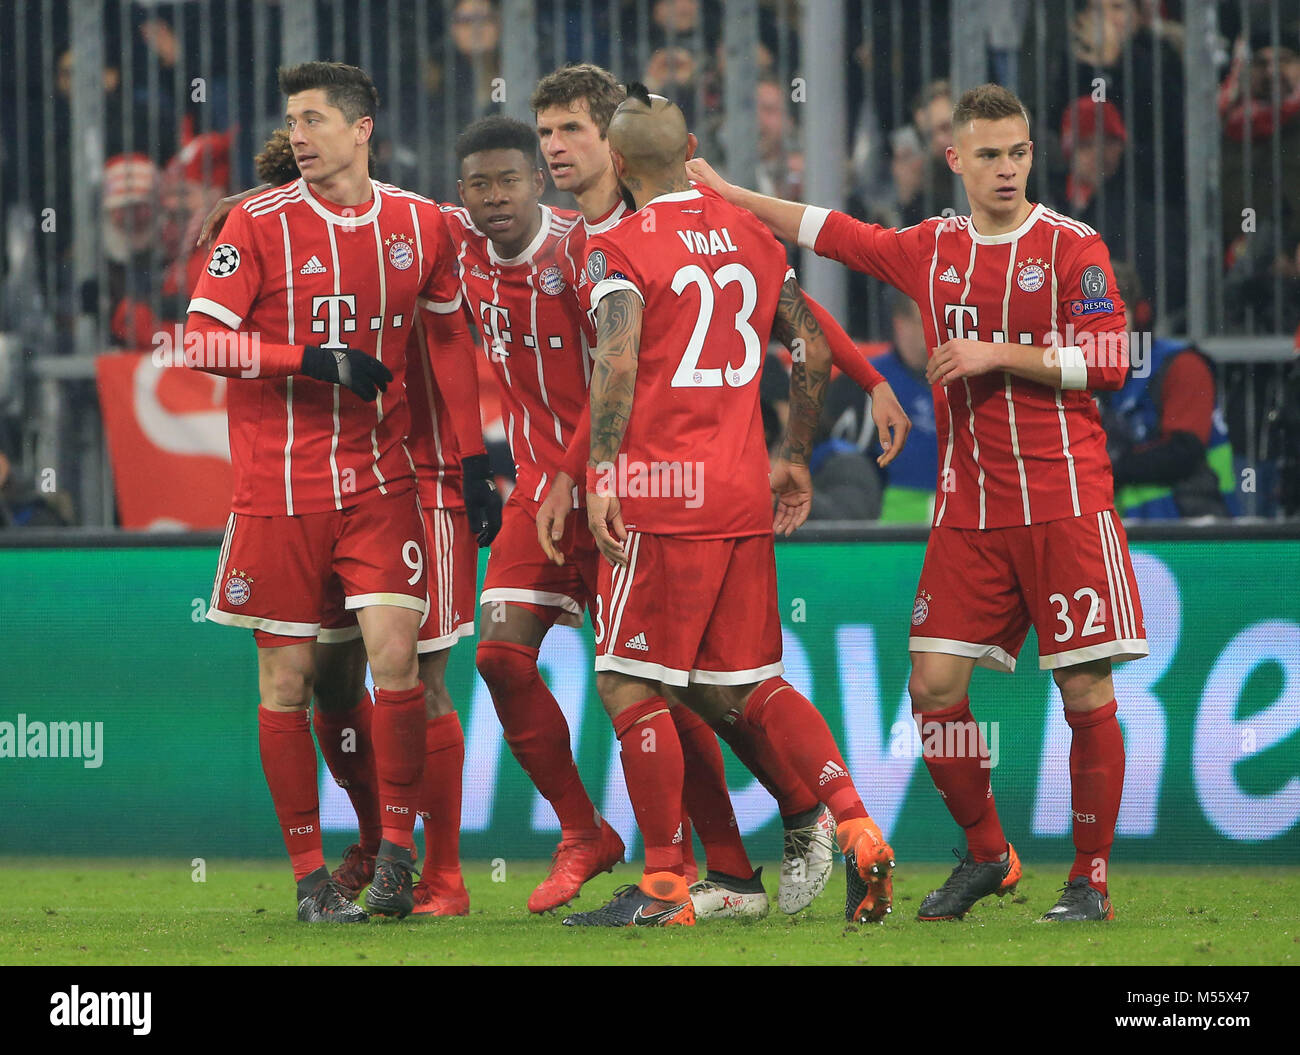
[
  {"x": 432, "y": 439},
  {"x": 572, "y": 252},
  {"x": 1011, "y": 451},
  {"x": 299, "y": 270},
  {"x": 710, "y": 277},
  {"x": 525, "y": 314}
]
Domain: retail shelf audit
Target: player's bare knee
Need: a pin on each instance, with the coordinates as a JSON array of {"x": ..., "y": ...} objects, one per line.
[
  {"x": 287, "y": 688},
  {"x": 933, "y": 688},
  {"x": 1085, "y": 686}
]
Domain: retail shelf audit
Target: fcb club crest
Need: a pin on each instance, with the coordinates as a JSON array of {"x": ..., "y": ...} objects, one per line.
[
  {"x": 401, "y": 251},
  {"x": 921, "y": 610},
  {"x": 1032, "y": 275},
  {"x": 238, "y": 588},
  {"x": 551, "y": 281},
  {"x": 224, "y": 262}
]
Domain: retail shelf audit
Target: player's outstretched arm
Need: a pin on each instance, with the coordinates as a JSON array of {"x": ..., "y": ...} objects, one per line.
[
  {"x": 613, "y": 382},
  {"x": 892, "y": 422},
  {"x": 783, "y": 217},
  {"x": 797, "y": 328},
  {"x": 216, "y": 218}
]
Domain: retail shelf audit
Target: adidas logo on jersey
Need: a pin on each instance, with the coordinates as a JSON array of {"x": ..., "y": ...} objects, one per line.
[
  {"x": 950, "y": 275},
  {"x": 638, "y": 642},
  {"x": 313, "y": 267},
  {"x": 829, "y": 772}
]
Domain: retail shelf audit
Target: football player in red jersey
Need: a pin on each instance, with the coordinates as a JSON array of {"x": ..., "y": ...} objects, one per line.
[
  {"x": 688, "y": 292},
  {"x": 1023, "y": 318},
  {"x": 443, "y": 410},
  {"x": 508, "y": 245},
  {"x": 324, "y": 486},
  {"x": 573, "y": 106}
]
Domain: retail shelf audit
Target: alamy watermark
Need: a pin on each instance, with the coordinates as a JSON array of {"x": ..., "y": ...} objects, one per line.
[
  {"x": 24, "y": 739},
  {"x": 631, "y": 478},
  {"x": 928, "y": 739},
  {"x": 203, "y": 350}
]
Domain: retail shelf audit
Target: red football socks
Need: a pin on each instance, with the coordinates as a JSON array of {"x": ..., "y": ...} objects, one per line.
[
  {"x": 440, "y": 793},
  {"x": 397, "y": 730},
  {"x": 536, "y": 731},
  {"x": 653, "y": 768},
  {"x": 773, "y": 772},
  {"x": 289, "y": 762},
  {"x": 707, "y": 801},
  {"x": 344, "y": 738},
  {"x": 958, "y": 761},
  {"x": 1096, "y": 784},
  {"x": 798, "y": 733}
]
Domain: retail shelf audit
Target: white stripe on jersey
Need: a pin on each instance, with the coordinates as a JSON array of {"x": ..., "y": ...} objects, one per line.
[
  {"x": 947, "y": 404},
  {"x": 426, "y": 375},
  {"x": 616, "y": 608},
  {"x": 1056, "y": 219},
  {"x": 334, "y": 439},
  {"x": 1114, "y": 614},
  {"x": 537, "y": 351},
  {"x": 221, "y": 561},
  {"x": 288, "y": 382},
  {"x": 1126, "y": 623},
  {"x": 1060, "y": 405},
  {"x": 272, "y": 201},
  {"x": 288, "y": 446},
  {"x": 582, "y": 331},
  {"x": 1011, "y": 406},
  {"x": 970, "y": 403},
  {"x": 379, "y": 344}
]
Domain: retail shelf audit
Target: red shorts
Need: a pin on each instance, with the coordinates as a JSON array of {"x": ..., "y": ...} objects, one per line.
[
  {"x": 451, "y": 580},
  {"x": 274, "y": 571},
  {"x": 691, "y": 610},
  {"x": 519, "y": 572},
  {"x": 1070, "y": 579}
]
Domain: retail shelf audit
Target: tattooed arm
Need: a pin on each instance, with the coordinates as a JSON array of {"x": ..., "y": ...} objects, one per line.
[
  {"x": 613, "y": 375},
  {"x": 797, "y": 328},
  {"x": 613, "y": 382}
]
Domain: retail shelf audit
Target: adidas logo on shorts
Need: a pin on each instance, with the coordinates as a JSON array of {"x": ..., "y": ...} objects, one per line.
[
  {"x": 638, "y": 642},
  {"x": 829, "y": 772}
]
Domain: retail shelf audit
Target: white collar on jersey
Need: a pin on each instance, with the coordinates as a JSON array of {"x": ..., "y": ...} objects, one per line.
[
  {"x": 681, "y": 195},
  {"x": 1010, "y": 236},
  {"x": 542, "y": 231},
  {"x": 615, "y": 216},
  {"x": 309, "y": 196}
]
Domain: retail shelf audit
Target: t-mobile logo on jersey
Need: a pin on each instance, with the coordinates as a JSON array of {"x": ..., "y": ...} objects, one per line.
[{"x": 334, "y": 325}]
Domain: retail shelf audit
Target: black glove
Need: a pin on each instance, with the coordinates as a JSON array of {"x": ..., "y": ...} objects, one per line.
[
  {"x": 363, "y": 374},
  {"x": 482, "y": 500}
]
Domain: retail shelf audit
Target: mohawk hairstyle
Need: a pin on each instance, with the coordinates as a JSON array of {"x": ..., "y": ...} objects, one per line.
[
  {"x": 569, "y": 84},
  {"x": 638, "y": 91},
  {"x": 348, "y": 88},
  {"x": 497, "y": 132}
]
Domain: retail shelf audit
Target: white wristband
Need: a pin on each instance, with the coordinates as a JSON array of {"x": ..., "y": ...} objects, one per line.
[
  {"x": 810, "y": 226},
  {"x": 1074, "y": 368}
]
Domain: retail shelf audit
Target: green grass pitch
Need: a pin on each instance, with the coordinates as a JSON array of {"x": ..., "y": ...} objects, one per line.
[{"x": 152, "y": 912}]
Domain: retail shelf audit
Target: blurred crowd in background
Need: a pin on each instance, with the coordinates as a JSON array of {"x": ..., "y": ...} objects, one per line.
[{"x": 189, "y": 95}]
